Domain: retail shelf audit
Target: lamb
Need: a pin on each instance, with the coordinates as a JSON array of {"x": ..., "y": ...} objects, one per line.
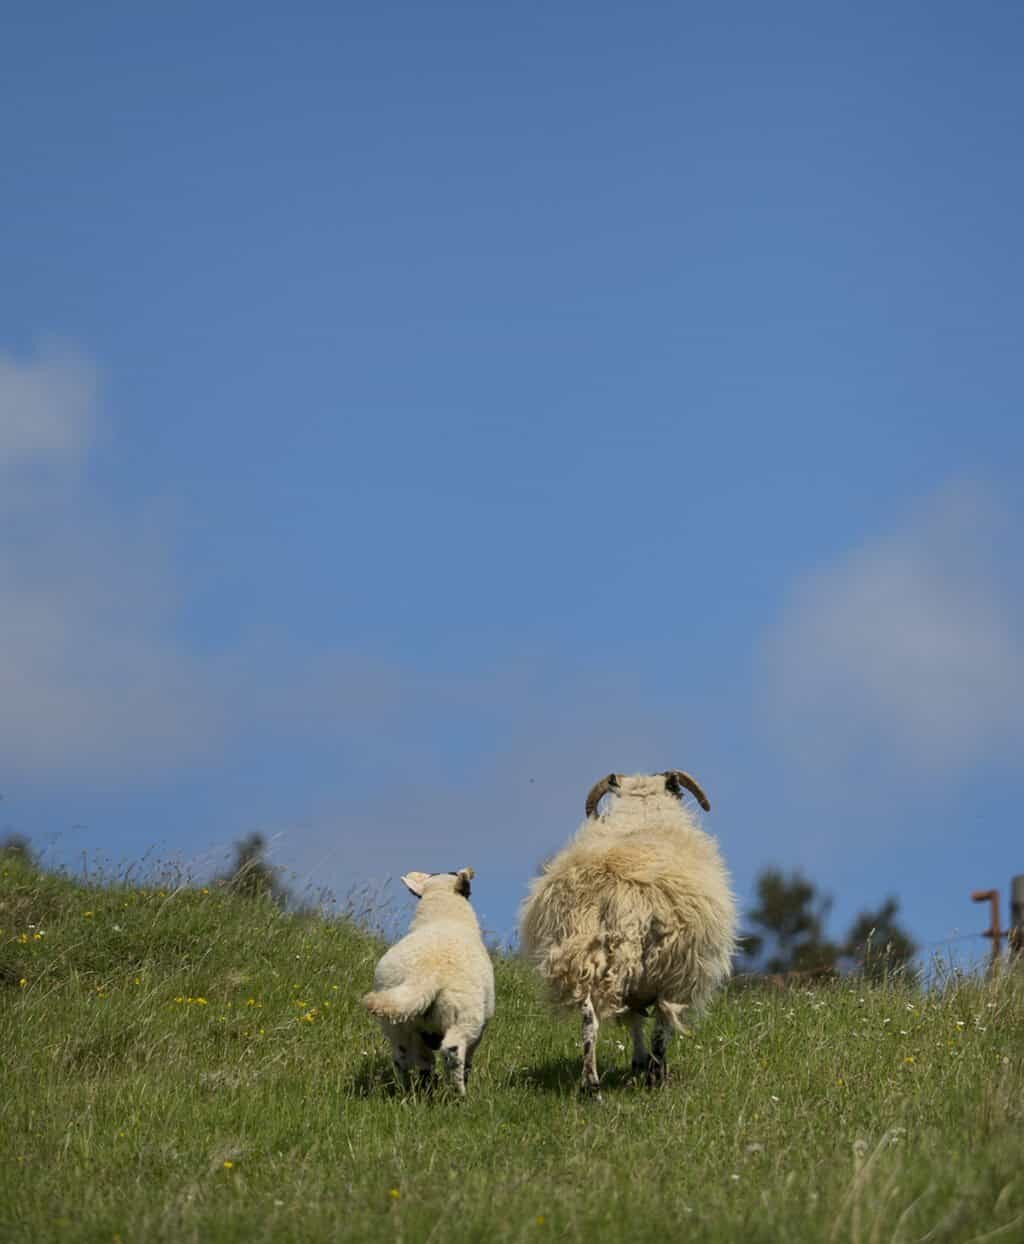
[
  {"x": 434, "y": 989},
  {"x": 636, "y": 912}
]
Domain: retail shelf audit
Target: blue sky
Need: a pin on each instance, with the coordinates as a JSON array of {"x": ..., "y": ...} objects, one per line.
[{"x": 409, "y": 415}]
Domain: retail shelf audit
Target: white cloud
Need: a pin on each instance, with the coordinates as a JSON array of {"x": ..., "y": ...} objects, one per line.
[
  {"x": 98, "y": 684},
  {"x": 47, "y": 405},
  {"x": 908, "y": 655},
  {"x": 92, "y": 681}
]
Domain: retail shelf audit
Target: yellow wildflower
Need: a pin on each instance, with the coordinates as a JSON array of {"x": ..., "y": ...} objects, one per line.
[
  {"x": 87, "y": 914},
  {"x": 394, "y": 1194},
  {"x": 228, "y": 1164},
  {"x": 22, "y": 983}
]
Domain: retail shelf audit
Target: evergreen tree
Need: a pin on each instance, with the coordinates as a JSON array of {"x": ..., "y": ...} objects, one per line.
[
  {"x": 788, "y": 932},
  {"x": 251, "y": 875},
  {"x": 878, "y": 944},
  {"x": 17, "y": 847}
]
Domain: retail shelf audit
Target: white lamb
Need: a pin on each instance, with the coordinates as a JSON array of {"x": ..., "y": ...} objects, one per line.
[
  {"x": 434, "y": 989},
  {"x": 636, "y": 912}
]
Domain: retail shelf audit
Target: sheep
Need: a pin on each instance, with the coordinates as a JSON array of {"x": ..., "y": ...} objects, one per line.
[
  {"x": 636, "y": 912},
  {"x": 434, "y": 989}
]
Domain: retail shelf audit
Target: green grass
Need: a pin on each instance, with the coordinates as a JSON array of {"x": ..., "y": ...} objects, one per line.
[{"x": 186, "y": 1065}]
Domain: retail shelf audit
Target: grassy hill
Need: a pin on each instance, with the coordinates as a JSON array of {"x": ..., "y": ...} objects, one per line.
[{"x": 183, "y": 1064}]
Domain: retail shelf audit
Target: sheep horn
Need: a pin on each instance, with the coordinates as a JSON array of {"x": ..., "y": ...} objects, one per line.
[
  {"x": 599, "y": 790},
  {"x": 676, "y": 780}
]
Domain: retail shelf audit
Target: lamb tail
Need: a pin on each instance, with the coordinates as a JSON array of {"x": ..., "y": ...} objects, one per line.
[{"x": 402, "y": 1002}]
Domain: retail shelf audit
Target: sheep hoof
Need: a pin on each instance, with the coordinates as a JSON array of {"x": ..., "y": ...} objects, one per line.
[
  {"x": 592, "y": 1092},
  {"x": 641, "y": 1066},
  {"x": 657, "y": 1073}
]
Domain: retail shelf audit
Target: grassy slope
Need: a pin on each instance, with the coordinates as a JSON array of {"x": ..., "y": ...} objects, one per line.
[{"x": 184, "y": 1065}]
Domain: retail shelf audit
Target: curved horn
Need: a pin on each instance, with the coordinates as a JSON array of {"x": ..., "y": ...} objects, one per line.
[
  {"x": 599, "y": 790},
  {"x": 676, "y": 781}
]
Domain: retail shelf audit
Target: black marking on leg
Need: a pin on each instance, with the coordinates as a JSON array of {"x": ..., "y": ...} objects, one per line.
[
  {"x": 639, "y": 1066},
  {"x": 432, "y": 1040},
  {"x": 657, "y": 1071}
]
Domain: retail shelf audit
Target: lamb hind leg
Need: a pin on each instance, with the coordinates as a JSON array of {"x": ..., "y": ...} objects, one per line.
[
  {"x": 470, "y": 1051},
  {"x": 422, "y": 1058},
  {"x": 401, "y": 1062},
  {"x": 413, "y": 1060},
  {"x": 590, "y": 1084},
  {"x": 457, "y": 1053}
]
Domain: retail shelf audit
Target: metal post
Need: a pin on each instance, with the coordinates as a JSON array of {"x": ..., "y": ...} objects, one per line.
[
  {"x": 994, "y": 931},
  {"x": 1017, "y": 914}
]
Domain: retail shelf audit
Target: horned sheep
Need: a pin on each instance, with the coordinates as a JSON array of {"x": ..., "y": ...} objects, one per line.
[
  {"x": 434, "y": 989},
  {"x": 635, "y": 913}
]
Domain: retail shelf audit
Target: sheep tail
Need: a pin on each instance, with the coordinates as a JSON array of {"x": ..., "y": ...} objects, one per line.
[
  {"x": 402, "y": 1002},
  {"x": 672, "y": 1013}
]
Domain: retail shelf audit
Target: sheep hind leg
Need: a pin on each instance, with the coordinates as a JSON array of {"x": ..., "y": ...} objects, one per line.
[
  {"x": 641, "y": 1059},
  {"x": 657, "y": 1068},
  {"x": 591, "y": 1084}
]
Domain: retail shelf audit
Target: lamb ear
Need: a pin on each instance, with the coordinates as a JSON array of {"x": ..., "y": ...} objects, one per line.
[
  {"x": 462, "y": 880},
  {"x": 414, "y": 883}
]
